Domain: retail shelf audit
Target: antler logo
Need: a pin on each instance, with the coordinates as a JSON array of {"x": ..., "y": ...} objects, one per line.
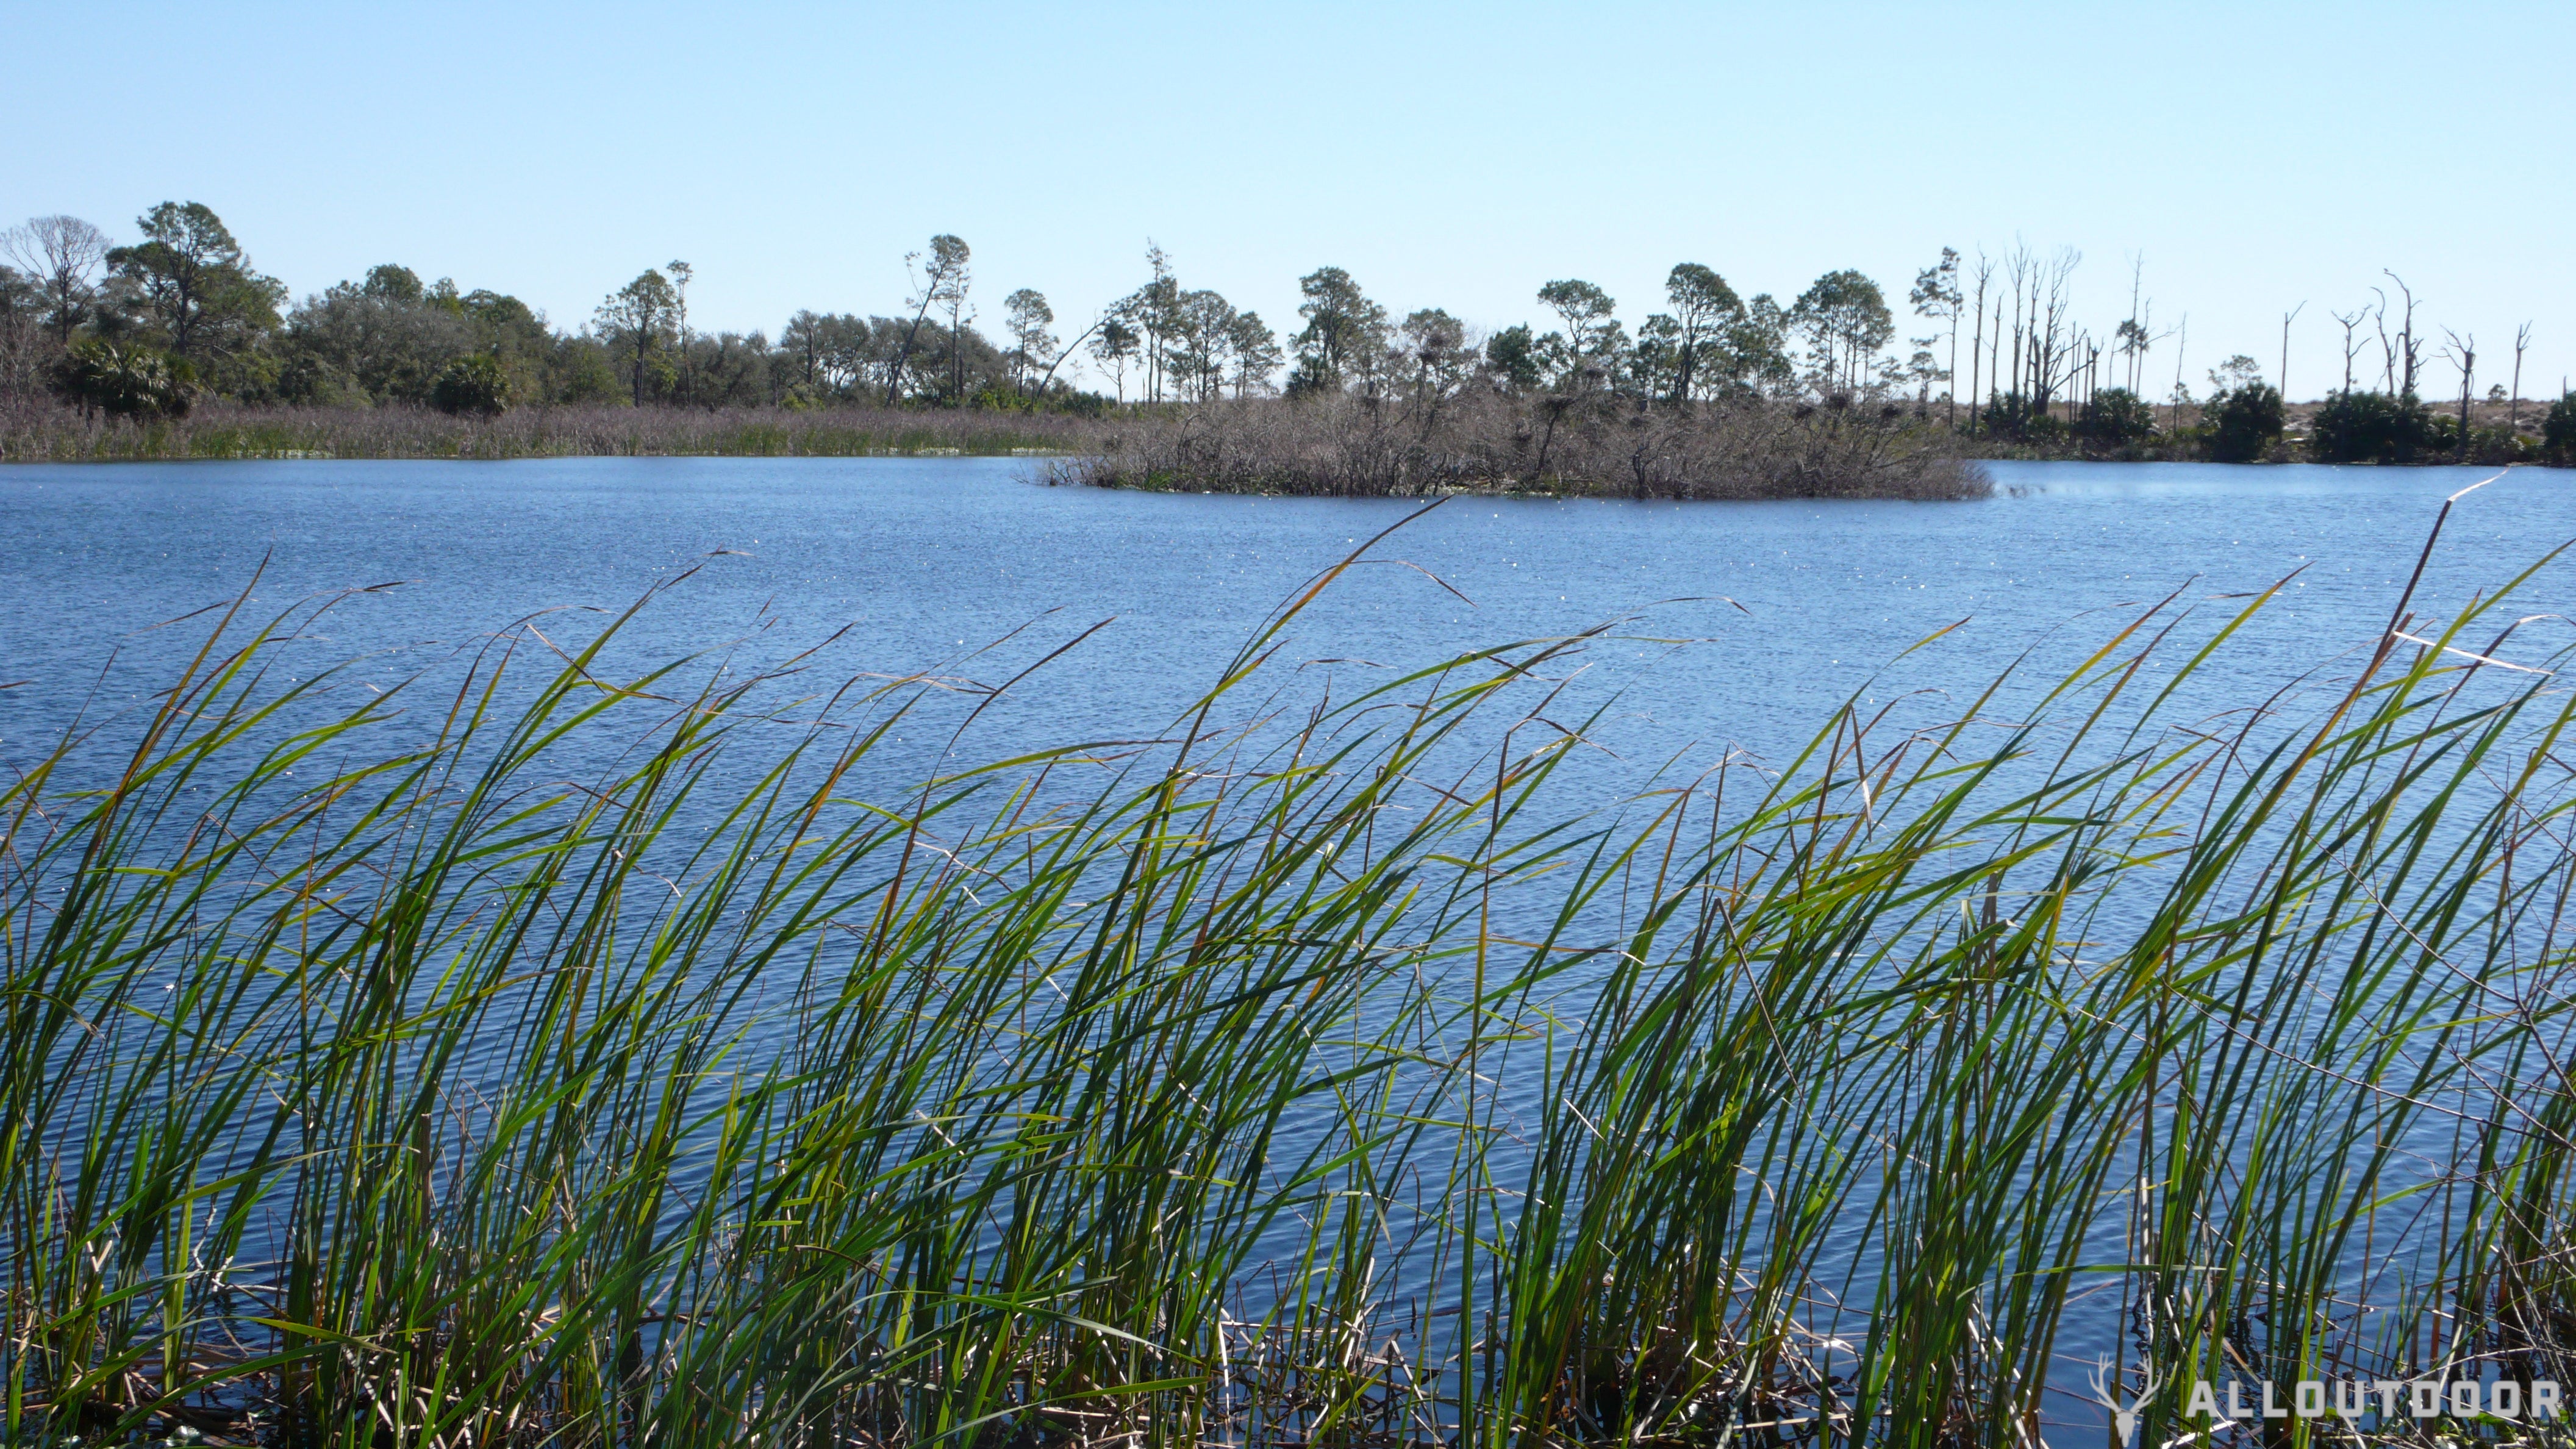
[{"x": 2124, "y": 1419}]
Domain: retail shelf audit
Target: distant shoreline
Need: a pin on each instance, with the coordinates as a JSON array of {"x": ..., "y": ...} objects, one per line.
[
  {"x": 222, "y": 431},
  {"x": 1105, "y": 448}
]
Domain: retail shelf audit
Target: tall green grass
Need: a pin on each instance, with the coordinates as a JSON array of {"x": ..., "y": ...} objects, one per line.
[{"x": 1318, "y": 1078}]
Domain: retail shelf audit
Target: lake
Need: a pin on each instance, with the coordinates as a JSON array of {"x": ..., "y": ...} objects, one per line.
[
  {"x": 1788, "y": 607},
  {"x": 1733, "y": 626}
]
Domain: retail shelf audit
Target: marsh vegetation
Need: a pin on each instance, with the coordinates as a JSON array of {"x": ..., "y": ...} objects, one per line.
[{"x": 1298, "y": 1074}]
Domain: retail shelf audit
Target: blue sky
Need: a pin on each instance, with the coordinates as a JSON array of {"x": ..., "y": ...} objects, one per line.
[{"x": 2255, "y": 156}]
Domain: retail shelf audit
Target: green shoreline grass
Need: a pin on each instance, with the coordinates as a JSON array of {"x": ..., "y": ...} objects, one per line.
[{"x": 422, "y": 1097}]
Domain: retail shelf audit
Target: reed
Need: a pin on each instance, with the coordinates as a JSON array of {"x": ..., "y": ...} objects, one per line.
[
  {"x": 40, "y": 431},
  {"x": 1317, "y": 1079}
]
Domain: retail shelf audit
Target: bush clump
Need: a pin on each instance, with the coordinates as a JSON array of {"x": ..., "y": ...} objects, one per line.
[
  {"x": 2558, "y": 431},
  {"x": 125, "y": 380},
  {"x": 2372, "y": 427},
  {"x": 2243, "y": 423},
  {"x": 2115, "y": 419},
  {"x": 472, "y": 386}
]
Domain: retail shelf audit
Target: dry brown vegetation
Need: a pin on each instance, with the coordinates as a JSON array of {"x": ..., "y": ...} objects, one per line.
[
  {"x": 41, "y": 431},
  {"x": 1342, "y": 446},
  {"x": 1595, "y": 445}
]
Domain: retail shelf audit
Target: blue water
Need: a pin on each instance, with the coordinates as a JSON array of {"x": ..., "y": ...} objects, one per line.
[
  {"x": 1734, "y": 626},
  {"x": 1789, "y": 607}
]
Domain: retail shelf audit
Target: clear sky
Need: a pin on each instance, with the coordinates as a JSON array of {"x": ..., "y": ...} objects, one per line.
[{"x": 2256, "y": 155}]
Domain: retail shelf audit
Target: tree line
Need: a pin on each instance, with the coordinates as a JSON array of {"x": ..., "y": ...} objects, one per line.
[
  {"x": 2042, "y": 379},
  {"x": 145, "y": 328},
  {"x": 184, "y": 312}
]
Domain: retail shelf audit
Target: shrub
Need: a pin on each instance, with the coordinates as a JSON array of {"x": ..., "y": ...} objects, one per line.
[
  {"x": 2497, "y": 443},
  {"x": 474, "y": 384},
  {"x": 2370, "y": 427},
  {"x": 2115, "y": 418},
  {"x": 125, "y": 379},
  {"x": 2558, "y": 431},
  {"x": 2242, "y": 423},
  {"x": 2008, "y": 415}
]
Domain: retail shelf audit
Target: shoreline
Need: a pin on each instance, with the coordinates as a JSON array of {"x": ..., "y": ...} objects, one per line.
[{"x": 1118, "y": 450}]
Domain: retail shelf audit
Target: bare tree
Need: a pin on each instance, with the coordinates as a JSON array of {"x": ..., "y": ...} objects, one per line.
[
  {"x": 2513, "y": 415},
  {"x": 2017, "y": 277},
  {"x": 2047, "y": 347},
  {"x": 61, "y": 253},
  {"x": 2387, "y": 350},
  {"x": 1977, "y": 342},
  {"x": 2464, "y": 356},
  {"x": 2405, "y": 355},
  {"x": 2181, "y": 394},
  {"x": 2351, "y": 348},
  {"x": 2286, "y": 319},
  {"x": 2052, "y": 340}
]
